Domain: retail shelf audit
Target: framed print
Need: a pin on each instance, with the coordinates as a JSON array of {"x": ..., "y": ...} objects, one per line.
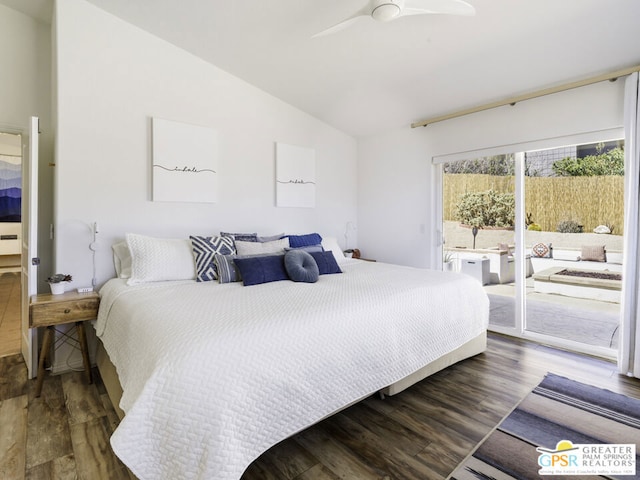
[
  {"x": 295, "y": 176},
  {"x": 185, "y": 159}
]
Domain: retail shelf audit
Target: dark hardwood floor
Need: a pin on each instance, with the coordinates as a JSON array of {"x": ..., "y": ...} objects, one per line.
[
  {"x": 422, "y": 433},
  {"x": 9, "y": 313}
]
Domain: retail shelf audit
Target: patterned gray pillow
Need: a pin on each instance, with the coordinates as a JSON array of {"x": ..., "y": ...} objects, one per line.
[
  {"x": 204, "y": 249},
  {"x": 243, "y": 237},
  {"x": 227, "y": 270}
]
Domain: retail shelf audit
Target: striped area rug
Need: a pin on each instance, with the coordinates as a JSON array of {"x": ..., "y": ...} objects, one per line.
[{"x": 558, "y": 412}]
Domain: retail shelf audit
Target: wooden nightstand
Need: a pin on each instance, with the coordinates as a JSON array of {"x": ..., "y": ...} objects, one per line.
[{"x": 46, "y": 310}]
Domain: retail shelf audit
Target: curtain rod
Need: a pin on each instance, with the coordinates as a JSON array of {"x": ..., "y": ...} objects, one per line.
[{"x": 528, "y": 96}]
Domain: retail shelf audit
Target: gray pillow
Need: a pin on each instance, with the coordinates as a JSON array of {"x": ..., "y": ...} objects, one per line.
[
  {"x": 301, "y": 267},
  {"x": 227, "y": 270},
  {"x": 270, "y": 238},
  {"x": 593, "y": 253},
  {"x": 310, "y": 248}
]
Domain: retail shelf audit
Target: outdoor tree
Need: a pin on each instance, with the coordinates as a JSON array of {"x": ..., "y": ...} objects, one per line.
[{"x": 486, "y": 209}]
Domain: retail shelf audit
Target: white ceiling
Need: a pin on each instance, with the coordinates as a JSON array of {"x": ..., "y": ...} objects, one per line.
[{"x": 374, "y": 76}]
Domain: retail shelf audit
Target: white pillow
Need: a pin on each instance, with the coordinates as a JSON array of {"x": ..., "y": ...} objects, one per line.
[
  {"x": 331, "y": 243},
  {"x": 122, "y": 259},
  {"x": 160, "y": 259},
  {"x": 256, "y": 248}
]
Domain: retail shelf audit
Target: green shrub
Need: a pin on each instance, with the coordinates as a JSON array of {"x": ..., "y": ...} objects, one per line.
[
  {"x": 528, "y": 219},
  {"x": 569, "y": 226},
  {"x": 534, "y": 226},
  {"x": 603, "y": 163},
  {"x": 486, "y": 209}
]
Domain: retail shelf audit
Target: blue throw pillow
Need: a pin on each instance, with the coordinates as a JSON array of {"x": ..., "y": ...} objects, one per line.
[
  {"x": 263, "y": 269},
  {"x": 204, "y": 250},
  {"x": 326, "y": 262},
  {"x": 296, "y": 241},
  {"x": 301, "y": 267}
]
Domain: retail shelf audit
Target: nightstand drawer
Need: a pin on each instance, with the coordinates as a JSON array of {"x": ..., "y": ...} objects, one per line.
[{"x": 60, "y": 310}]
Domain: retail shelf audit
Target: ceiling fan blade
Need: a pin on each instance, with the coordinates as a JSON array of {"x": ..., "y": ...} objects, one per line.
[
  {"x": 365, "y": 12},
  {"x": 447, "y": 7}
]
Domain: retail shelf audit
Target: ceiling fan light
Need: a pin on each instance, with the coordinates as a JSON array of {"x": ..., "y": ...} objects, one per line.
[{"x": 386, "y": 12}]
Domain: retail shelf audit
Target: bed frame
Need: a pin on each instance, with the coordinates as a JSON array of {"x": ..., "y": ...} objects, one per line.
[
  {"x": 472, "y": 347},
  {"x": 109, "y": 378}
]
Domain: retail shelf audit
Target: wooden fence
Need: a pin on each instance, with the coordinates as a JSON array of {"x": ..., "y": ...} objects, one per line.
[{"x": 590, "y": 201}]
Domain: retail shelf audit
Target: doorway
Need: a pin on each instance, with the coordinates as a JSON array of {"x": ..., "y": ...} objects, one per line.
[
  {"x": 10, "y": 242},
  {"x": 542, "y": 230}
]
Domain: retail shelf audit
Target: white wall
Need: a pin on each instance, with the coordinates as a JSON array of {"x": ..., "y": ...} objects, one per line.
[
  {"x": 111, "y": 79},
  {"x": 25, "y": 91},
  {"x": 396, "y": 178}
]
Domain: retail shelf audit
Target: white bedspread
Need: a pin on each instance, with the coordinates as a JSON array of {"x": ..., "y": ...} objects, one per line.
[{"x": 214, "y": 375}]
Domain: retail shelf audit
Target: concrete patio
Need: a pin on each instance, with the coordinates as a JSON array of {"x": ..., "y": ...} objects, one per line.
[
  {"x": 586, "y": 321},
  {"x": 589, "y": 321}
]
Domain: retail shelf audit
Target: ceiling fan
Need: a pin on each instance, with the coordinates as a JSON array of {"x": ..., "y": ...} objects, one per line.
[{"x": 387, "y": 10}]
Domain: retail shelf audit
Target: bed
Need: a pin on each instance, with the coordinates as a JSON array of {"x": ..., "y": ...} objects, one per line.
[{"x": 208, "y": 376}]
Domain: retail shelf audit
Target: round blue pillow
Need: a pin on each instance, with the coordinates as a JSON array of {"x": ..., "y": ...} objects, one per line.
[{"x": 301, "y": 267}]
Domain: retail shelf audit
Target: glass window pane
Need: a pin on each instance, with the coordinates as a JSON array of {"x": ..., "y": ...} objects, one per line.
[
  {"x": 574, "y": 235},
  {"x": 479, "y": 219}
]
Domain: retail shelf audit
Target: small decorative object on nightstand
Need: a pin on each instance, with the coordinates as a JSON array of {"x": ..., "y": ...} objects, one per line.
[
  {"x": 352, "y": 253},
  {"x": 56, "y": 282},
  {"x": 355, "y": 253},
  {"x": 48, "y": 310}
]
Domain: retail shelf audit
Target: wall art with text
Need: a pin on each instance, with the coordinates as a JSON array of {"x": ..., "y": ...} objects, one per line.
[
  {"x": 185, "y": 162},
  {"x": 295, "y": 176}
]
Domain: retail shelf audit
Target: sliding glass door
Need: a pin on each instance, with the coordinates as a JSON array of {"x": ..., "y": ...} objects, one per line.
[
  {"x": 542, "y": 230},
  {"x": 574, "y": 211},
  {"x": 478, "y": 228}
]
